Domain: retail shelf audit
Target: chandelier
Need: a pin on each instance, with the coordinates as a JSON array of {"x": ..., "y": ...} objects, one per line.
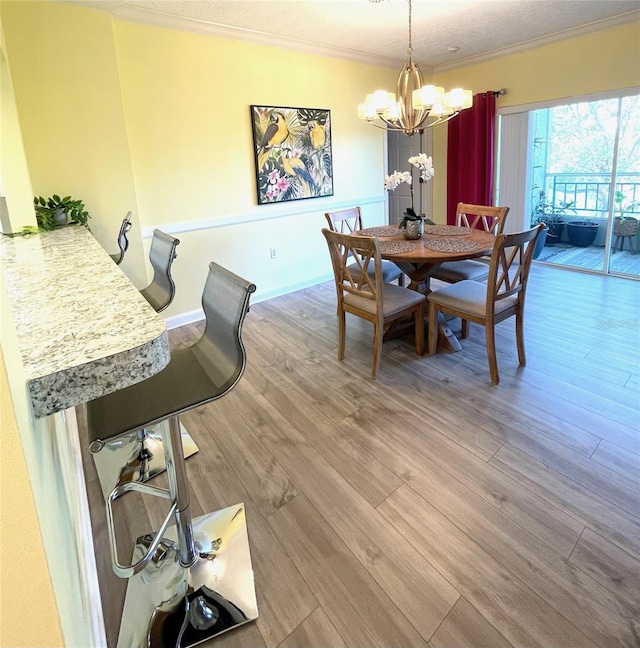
[{"x": 414, "y": 106}]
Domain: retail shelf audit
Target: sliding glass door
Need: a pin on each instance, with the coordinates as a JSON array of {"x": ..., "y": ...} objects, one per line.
[{"x": 582, "y": 179}]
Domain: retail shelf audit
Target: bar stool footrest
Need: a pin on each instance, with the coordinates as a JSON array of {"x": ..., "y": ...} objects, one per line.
[
  {"x": 168, "y": 604},
  {"x": 120, "y": 461}
]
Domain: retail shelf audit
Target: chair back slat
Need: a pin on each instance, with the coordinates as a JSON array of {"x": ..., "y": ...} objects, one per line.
[
  {"x": 485, "y": 217},
  {"x": 345, "y": 221},
  {"x": 363, "y": 253},
  {"x": 509, "y": 268}
]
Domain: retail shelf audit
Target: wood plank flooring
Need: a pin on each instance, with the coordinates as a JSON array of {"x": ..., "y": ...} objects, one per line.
[{"x": 430, "y": 507}]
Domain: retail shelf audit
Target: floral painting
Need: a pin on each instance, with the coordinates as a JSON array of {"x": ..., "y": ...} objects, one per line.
[{"x": 292, "y": 148}]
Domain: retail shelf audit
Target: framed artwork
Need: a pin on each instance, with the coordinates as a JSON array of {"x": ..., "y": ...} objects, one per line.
[{"x": 292, "y": 150}]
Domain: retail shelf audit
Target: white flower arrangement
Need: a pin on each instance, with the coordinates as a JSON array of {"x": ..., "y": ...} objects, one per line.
[
  {"x": 424, "y": 163},
  {"x": 394, "y": 180}
]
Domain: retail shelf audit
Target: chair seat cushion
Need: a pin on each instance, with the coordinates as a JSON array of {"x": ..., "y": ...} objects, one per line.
[
  {"x": 394, "y": 299},
  {"x": 390, "y": 271},
  {"x": 454, "y": 271},
  {"x": 470, "y": 297}
]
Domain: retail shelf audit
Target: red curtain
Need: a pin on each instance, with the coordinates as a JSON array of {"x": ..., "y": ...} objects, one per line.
[{"x": 470, "y": 155}]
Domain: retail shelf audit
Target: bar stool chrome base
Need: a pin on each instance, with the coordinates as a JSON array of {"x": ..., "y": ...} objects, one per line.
[
  {"x": 135, "y": 457},
  {"x": 170, "y": 605}
]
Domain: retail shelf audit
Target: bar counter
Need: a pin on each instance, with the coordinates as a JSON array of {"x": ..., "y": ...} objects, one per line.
[{"x": 83, "y": 329}]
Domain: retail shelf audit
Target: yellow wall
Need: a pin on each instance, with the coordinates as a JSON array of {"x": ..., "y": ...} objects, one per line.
[
  {"x": 187, "y": 99},
  {"x": 25, "y": 583},
  {"x": 604, "y": 61},
  {"x": 160, "y": 118},
  {"x": 28, "y": 613},
  {"x": 67, "y": 88},
  {"x": 15, "y": 188}
]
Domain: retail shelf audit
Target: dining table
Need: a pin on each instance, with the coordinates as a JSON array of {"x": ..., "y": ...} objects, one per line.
[{"x": 420, "y": 258}]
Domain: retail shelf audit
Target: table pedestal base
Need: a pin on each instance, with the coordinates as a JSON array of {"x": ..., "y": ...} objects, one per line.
[{"x": 420, "y": 276}]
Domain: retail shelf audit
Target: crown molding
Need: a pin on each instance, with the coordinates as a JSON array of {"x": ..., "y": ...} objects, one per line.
[
  {"x": 128, "y": 13},
  {"x": 574, "y": 32}
]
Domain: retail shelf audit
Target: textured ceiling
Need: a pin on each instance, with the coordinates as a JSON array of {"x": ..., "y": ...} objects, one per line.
[{"x": 360, "y": 28}]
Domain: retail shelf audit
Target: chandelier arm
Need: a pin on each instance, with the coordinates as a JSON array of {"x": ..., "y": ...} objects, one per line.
[
  {"x": 442, "y": 120},
  {"x": 387, "y": 126}
]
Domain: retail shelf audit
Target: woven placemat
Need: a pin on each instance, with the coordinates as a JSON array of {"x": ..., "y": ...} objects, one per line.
[
  {"x": 396, "y": 247},
  {"x": 452, "y": 245},
  {"x": 384, "y": 230},
  {"x": 446, "y": 230}
]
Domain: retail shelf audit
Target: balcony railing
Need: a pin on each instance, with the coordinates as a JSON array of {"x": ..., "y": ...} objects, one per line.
[{"x": 589, "y": 193}]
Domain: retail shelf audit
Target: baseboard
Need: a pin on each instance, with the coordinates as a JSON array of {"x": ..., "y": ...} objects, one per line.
[{"x": 182, "y": 319}]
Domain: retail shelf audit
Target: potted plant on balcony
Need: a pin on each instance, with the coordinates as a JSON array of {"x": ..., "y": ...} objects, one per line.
[
  {"x": 624, "y": 225},
  {"x": 582, "y": 233},
  {"x": 56, "y": 212},
  {"x": 552, "y": 216}
]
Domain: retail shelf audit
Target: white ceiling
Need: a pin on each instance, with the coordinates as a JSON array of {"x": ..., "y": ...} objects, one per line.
[{"x": 377, "y": 30}]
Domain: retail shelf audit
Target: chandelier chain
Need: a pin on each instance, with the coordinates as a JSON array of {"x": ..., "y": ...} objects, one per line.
[{"x": 410, "y": 50}]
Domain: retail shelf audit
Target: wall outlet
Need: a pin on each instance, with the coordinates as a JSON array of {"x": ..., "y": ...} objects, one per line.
[{"x": 272, "y": 253}]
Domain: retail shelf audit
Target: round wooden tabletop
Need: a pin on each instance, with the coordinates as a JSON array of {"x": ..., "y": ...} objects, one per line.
[{"x": 438, "y": 244}]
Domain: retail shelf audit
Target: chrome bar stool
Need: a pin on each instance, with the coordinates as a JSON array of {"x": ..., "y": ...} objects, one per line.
[
  {"x": 139, "y": 455},
  {"x": 123, "y": 241},
  {"x": 192, "y": 580}
]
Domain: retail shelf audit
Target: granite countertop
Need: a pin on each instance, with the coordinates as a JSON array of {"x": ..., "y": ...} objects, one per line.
[{"x": 83, "y": 328}]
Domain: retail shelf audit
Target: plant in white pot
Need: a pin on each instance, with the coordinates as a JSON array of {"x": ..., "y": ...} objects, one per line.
[
  {"x": 412, "y": 224},
  {"x": 56, "y": 212}
]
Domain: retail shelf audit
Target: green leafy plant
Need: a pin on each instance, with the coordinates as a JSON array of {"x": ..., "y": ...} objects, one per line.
[
  {"x": 622, "y": 207},
  {"x": 56, "y": 212},
  {"x": 549, "y": 213}
]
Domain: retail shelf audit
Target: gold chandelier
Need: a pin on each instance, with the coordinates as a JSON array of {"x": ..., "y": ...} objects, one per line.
[{"x": 414, "y": 106}]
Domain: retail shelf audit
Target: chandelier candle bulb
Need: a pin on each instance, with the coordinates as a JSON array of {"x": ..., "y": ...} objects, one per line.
[
  {"x": 460, "y": 99},
  {"x": 428, "y": 96}
]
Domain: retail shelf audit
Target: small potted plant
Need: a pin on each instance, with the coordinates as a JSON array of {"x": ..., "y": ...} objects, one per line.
[
  {"x": 552, "y": 215},
  {"x": 56, "y": 212},
  {"x": 623, "y": 224},
  {"x": 412, "y": 224}
]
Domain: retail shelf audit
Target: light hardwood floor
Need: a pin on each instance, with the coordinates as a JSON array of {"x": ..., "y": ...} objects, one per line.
[{"x": 428, "y": 508}]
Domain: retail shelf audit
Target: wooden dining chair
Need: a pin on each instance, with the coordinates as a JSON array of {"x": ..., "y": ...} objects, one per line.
[
  {"x": 347, "y": 221},
  {"x": 501, "y": 297},
  {"x": 485, "y": 217},
  {"x": 361, "y": 291}
]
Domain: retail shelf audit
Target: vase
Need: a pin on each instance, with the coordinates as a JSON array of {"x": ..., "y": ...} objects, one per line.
[
  {"x": 60, "y": 217},
  {"x": 413, "y": 229}
]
